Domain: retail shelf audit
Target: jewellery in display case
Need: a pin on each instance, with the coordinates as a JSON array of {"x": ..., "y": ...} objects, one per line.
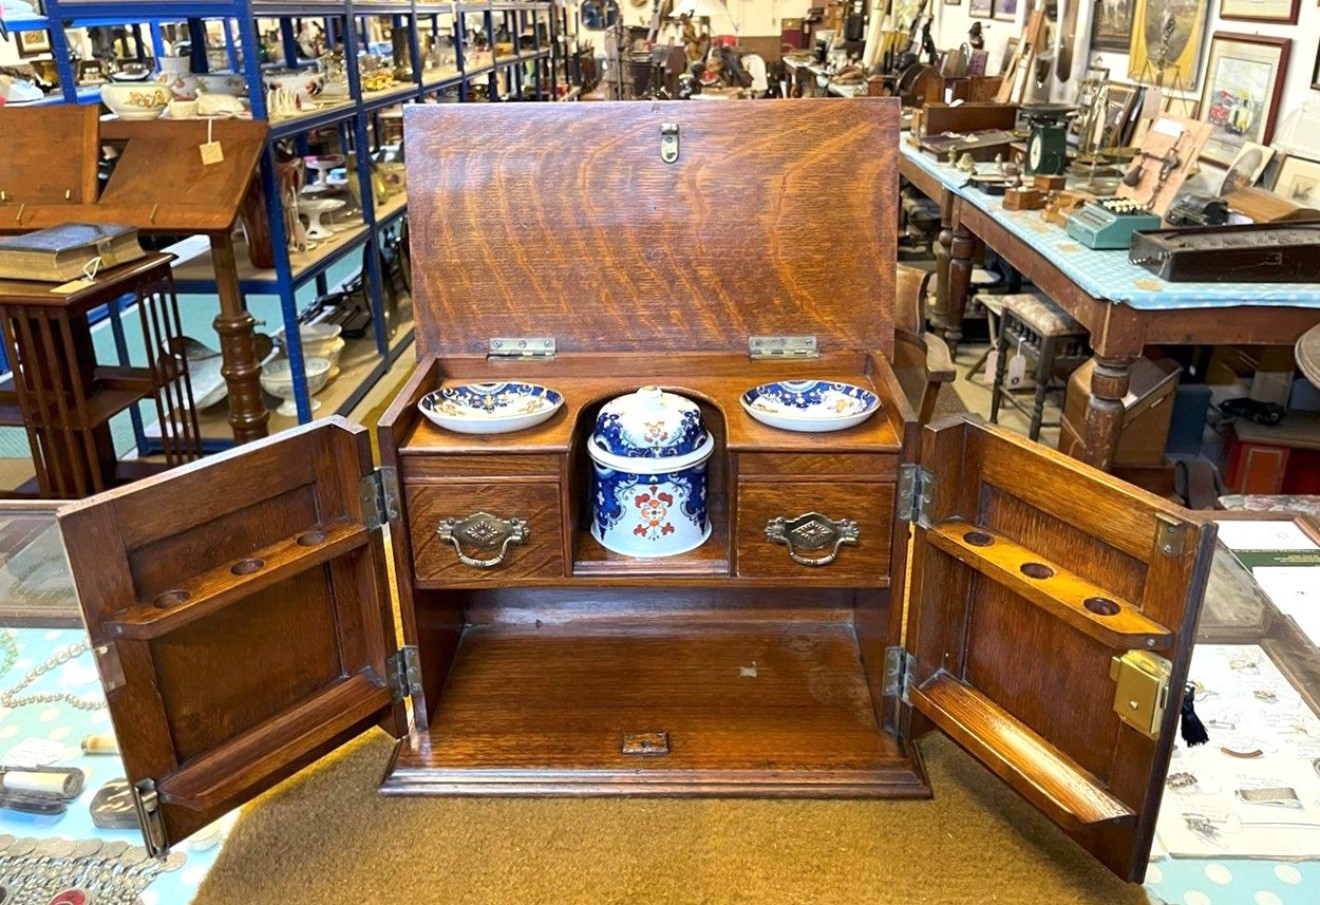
[
  {"x": 1278, "y": 796},
  {"x": 13, "y": 701},
  {"x": 40, "y": 790},
  {"x": 78, "y": 872},
  {"x": 112, "y": 806},
  {"x": 9, "y": 650}
]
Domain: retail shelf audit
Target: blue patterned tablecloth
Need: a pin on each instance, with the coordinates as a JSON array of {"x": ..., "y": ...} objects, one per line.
[{"x": 1108, "y": 274}]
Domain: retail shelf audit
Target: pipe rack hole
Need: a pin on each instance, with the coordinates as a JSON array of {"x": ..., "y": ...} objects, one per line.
[
  {"x": 171, "y": 598},
  {"x": 1037, "y": 570},
  {"x": 247, "y": 566},
  {"x": 978, "y": 538},
  {"x": 1101, "y": 606},
  {"x": 312, "y": 538}
]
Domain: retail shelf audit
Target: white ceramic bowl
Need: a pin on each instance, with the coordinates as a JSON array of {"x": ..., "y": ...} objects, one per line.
[
  {"x": 277, "y": 379},
  {"x": 490, "y": 408},
  {"x": 136, "y": 100},
  {"x": 222, "y": 83},
  {"x": 810, "y": 406}
]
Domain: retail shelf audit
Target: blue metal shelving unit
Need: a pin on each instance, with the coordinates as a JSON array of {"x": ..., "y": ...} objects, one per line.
[{"x": 346, "y": 24}]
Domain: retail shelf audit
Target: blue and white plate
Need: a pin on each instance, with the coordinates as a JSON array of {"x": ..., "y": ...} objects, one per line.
[
  {"x": 810, "y": 406},
  {"x": 490, "y": 408}
]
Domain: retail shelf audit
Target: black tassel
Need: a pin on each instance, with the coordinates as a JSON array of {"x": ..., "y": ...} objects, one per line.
[{"x": 1191, "y": 728}]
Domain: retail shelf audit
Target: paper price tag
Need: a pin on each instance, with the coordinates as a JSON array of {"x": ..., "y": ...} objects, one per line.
[
  {"x": 34, "y": 752},
  {"x": 212, "y": 153}
]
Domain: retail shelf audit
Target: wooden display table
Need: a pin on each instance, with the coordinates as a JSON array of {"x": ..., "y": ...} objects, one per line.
[{"x": 65, "y": 400}]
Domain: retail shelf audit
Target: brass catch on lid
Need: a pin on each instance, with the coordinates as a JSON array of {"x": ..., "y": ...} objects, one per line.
[
  {"x": 669, "y": 142},
  {"x": 1141, "y": 690}
]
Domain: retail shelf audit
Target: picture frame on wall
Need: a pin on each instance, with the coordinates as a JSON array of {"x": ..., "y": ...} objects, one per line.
[
  {"x": 1240, "y": 98},
  {"x": 1150, "y": 59},
  {"x": 981, "y": 9},
  {"x": 1299, "y": 181},
  {"x": 1281, "y": 11},
  {"x": 1111, "y": 25},
  {"x": 1006, "y": 10},
  {"x": 32, "y": 43}
]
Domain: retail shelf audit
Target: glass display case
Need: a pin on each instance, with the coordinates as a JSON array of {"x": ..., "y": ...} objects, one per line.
[{"x": 67, "y": 821}]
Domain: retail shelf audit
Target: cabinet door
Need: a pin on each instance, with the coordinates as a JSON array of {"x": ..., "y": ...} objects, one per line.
[
  {"x": 240, "y": 618},
  {"x": 1051, "y": 619}
]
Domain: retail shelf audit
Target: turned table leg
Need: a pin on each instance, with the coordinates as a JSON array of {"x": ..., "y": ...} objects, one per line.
[
  {"x": 939, "y": 316},
  {"x": 1104, "y": 412},
  {"x": 242, "y": 371},
  {"x": 962, "y": 246}
]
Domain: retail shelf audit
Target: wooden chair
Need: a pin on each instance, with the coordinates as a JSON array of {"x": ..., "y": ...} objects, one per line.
[{"x": 921, "y": 359}]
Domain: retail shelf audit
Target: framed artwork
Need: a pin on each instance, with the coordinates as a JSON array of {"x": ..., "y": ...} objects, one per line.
[
  {"x": 1006, "y": 10},
  {"x": 981, "y": 9},
  {"x": 1121, "y": 109},
  {"x": 32, "y": 43},
  {"x": 1247, "y": 168},
  {"x": 1173, "y": 52},
  {"x": 1111, "y": 25},
  {"x": 1240, "y": 100},
  {"x": 1260, "y": 10},
  {"x": 1299, "y": 181}
]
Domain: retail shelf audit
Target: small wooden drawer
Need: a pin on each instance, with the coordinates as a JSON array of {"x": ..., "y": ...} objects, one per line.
[
  {"x": 818, "y": 466},
  {"x": 862, "y": 513},
  {"x": 532, "y": 549}
]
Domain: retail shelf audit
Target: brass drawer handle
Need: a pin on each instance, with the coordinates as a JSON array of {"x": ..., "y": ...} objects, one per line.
[
  {"x": 811, "y": 532},
  {"x": 484, "y": 532}
]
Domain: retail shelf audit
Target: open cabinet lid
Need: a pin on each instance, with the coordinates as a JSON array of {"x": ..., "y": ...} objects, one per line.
[
  {"x": 1051, "y": 616},
  {"x": 240, "y": 617},
  {"x": 627, "y": 227}
]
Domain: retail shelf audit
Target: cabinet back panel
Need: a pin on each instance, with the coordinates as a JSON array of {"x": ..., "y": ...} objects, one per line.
[
  {"x": 209, "y": 697},
  {"x": 555, "y": 606}
]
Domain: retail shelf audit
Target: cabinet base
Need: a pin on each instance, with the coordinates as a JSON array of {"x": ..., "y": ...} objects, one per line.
[{"x": 757, "y": 708}]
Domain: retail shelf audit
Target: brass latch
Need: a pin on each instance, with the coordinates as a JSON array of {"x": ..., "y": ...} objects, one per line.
[
  {"x": 1141, "y": 691},
  {"x": 645, "y": 743},
  {"x": 669, "y": 142}
]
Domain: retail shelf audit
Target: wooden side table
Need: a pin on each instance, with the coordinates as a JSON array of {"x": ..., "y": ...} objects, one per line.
[
  {"x": 1280, "y": 459},
  {"x": 65, "y": 399}
]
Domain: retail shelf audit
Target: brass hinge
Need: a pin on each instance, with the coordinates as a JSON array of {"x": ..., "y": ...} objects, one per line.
[
  {"x": 1141, "y": 690},
  {"x": 514, "y": 347},
  {"x": 898, "y": 671},
  {"x": 915, "y": 485},
  {"x": 379, "y": 493},
  {"x": 759, "y": 347},
  {"x": 147, "y": 803},
  {"x": 403, "y": 670}
]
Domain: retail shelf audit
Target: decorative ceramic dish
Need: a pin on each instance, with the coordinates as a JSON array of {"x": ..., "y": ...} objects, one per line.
[
  {"x": 810, "y": 406},
  {"x": 490, "y": 408}
]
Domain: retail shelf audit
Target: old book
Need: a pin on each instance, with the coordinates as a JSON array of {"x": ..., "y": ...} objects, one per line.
[{"x": 62, "y": 253}]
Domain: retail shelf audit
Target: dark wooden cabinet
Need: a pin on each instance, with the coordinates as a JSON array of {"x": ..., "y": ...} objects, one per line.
[{"x": 241, "y": 612}]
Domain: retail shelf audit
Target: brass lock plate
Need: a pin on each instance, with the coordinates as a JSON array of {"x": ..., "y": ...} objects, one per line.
[
  {"x": 650, "y": 744},
  {"x": 1141, "y": 690}
]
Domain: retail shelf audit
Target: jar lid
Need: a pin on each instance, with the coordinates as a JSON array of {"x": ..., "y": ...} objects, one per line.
[{"x": 649, "y": 423}]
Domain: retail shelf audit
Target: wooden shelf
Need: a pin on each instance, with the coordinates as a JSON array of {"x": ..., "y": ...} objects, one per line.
[
  {"x": 200, "y": 269},
  {"x": 1043, "y": 775},
  {"x": 1087, "y": 607},
  {"x": 203, "y": 594},
  {"x": 542, "y": 710}
]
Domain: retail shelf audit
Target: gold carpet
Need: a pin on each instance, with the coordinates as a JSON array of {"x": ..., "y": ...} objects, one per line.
[{"x": 326, "y": 836}]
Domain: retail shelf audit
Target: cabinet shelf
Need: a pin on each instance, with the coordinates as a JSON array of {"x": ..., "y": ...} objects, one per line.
[{"x": 710, "y": 560}]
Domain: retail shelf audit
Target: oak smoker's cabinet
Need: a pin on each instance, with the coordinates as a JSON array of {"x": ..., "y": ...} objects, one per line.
[{"x": 240, "y": 607}]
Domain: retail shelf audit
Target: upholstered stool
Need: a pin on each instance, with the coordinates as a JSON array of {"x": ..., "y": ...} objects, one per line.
[
  {"x": 994, "y": 310},
  {"x": 1045, "y": 334}
]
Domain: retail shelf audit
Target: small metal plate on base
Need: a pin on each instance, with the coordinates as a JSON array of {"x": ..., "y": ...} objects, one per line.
[{"x": 646, "y": 743}]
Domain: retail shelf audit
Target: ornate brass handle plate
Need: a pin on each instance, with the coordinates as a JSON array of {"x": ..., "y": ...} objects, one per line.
[
  {"x": 811, "y": 532},
  {"x": 483, "y": 531}
]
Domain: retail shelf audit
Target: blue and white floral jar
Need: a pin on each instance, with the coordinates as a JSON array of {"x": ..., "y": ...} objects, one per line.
[{"x": 648, "y": 489}]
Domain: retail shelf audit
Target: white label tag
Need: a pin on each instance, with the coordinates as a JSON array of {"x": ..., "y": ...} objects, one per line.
[
  {"x": 1169, "y": 127},
  {"x": 212, "y": 153},
  {"x": 1016, "y": 374},
  {"x": 991, "y": 362},
  {"x": 34, "y": 752}
]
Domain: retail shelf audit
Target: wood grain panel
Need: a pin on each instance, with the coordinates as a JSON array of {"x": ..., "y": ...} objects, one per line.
[
  {"x": 445, "y": 468},
  {"x": 822, "y": 466},
  {"x": 750, "y": 708},
  {"x": 436, "y": 563},
  {"x": 865, "y": 564},
  {"x": 562, "y": 220},
  {"x": 256, "y": 629}
]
